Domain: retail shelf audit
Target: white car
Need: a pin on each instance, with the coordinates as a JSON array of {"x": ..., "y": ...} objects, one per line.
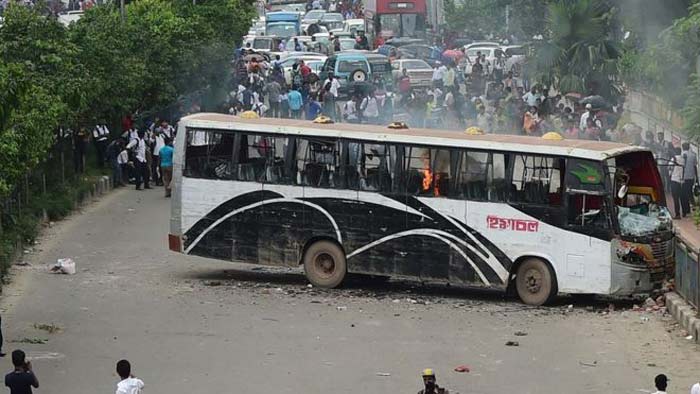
[
  {"x": 354, "y": 25},
  {"x": 420, "y": 72},
  {"x": 490, "y": 53},
  {"x": 515, "y": 58},
  {"x": 482, "y": 44},
  {"x": 66, "y": 18},
  {"x": 313, "y": 61}
]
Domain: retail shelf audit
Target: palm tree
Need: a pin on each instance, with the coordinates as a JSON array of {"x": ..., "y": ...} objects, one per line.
[{"x": 579, "y": 52}]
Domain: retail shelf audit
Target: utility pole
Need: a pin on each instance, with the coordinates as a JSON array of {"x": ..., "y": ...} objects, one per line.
[
  {"x": 121, "y": 9},
  {"x": 507, "y": 19}
]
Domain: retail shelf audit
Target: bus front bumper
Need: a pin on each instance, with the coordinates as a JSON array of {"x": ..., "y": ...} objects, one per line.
[{"x": 640, "y": 268}]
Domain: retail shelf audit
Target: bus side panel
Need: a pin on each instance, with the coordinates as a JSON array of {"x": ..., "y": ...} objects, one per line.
[{"x": 282, "y": 232}]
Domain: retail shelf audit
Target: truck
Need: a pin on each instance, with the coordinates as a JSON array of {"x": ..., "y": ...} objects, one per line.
[{"x": 283, "y": 24}]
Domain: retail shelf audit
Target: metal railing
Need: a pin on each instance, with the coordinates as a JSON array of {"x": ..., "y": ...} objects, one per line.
[{"x": 687, "y": 258}]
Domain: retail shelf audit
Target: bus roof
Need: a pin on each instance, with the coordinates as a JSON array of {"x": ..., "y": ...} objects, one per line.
[{"x": 593, "y": 150}]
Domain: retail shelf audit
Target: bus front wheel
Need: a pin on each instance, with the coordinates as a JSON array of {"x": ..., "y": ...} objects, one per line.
[
  {"x": 535, "y": 282},
  {"x": 324, "y": 264}
]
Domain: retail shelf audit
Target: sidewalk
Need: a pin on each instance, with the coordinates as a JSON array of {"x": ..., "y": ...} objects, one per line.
[{"x": 684, "y": 313}]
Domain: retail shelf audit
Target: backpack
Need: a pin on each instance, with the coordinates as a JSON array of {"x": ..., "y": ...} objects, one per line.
[{"x": 297, "y": 80}]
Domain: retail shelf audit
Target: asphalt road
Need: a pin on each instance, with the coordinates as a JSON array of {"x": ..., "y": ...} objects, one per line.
[{"x": 192, "y": 325}]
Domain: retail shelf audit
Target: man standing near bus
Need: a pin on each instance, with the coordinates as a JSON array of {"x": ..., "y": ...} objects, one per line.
[
  {"x": 166, "y": 164},
  {"x": 295, "y": 103},
  {"x": 139, "y": 146},
  {"x": 330, "y": 95},
  {"x": 690, "y": 174}
]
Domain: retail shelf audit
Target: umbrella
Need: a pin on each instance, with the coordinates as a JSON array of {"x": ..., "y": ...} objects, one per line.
[
  {"x": 573, "y": 95},
  {"x": 453, "y": 54},
  {"x": 595, "y": 101}
]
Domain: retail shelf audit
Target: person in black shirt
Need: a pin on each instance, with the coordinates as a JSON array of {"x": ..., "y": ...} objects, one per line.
[{"x": 22, "y": 379}]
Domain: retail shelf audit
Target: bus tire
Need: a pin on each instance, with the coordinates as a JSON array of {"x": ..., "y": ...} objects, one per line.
[
  {"x": 535, "y": 282},
  {"x": 325, "y": 265}
]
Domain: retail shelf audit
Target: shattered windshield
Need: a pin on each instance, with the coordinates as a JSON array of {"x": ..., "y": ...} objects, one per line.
[{"x": 644, "y": 219}]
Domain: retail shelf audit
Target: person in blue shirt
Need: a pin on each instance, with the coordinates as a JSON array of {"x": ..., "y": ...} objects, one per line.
[
  {"x": 166, "y": 165},
  {"x": 295, "y": 102},
  {"x": 314, "y": 107}
]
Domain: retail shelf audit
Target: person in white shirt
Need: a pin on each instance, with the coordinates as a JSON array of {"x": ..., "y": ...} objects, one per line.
[
  {"x": 129, "y": 383},
  {"x": 661, "y": 382},
  {"x": 677, "y": 165},
  {"x": 123, "y": 162},
  {"x": 350, "y": 111},
  {"x": 438, "y": 73},
  {"x": 584, "y": 117},
  {"x": 695, "y": 389},
  {"x": 138, "y": 145},
  {"x": 531, "y": 97},
  {"x": 167, "y": 130},
  {"x": 158, "y": 142},
  {"x": 100, "y": 137},
  {"x": 370, "y": 109},
  {"x": 330, "y": 95}
]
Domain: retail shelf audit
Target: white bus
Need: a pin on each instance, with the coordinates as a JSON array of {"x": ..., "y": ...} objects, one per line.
[{"x": 535, "y": 216}]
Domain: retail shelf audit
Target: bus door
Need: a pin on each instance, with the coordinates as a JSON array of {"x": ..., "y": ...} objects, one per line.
[
  {"x": 429, "y": 220},
  {"x": 280, "y": 220},
  {"x": 588, "y": 208},
  {"x": 372, "y": 170}
]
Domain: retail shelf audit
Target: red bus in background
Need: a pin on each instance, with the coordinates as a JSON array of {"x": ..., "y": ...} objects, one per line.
[{"x": 395, "y": 18}]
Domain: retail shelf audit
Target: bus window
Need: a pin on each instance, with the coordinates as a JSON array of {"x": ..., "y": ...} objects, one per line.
[
  {"x": 374, "y": 171},
  {"x": 208, "y": 154},
  {"x": 481, "y": 176},
  {"x": 317, "y": 162},
  {"x": 427, "y": 171},
  {"x": 536, "y": 180},
  {"x": 277, "y": 165}
]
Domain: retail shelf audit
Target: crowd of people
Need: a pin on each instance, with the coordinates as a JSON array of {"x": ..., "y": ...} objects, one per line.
[{"x": 140, "y": 155}]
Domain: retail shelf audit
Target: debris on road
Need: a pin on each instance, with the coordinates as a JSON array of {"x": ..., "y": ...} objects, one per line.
[
  {"x": 512, "y": 343},
  {"x": 520, "y": 334},
  {"x": 213, "y": 283},
  {"x": 63, "y": 266},
  {"x": 585, "y": 364},
  {"x": 32, "y": 341},
  {"x": 462, "y": 368},
  {"x": 383, "y": 374},
  {"x": 341, "y": 308},
  {"x": 50, "y": 328}
]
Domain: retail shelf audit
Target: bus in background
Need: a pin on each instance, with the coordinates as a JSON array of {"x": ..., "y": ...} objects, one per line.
[
  {"x": 283, "y": 24},
  {"x": 395, "y": 18},
  {"x": 533, "y": 215}
]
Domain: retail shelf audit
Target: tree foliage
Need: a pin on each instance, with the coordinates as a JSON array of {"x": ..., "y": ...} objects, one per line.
[
  {"x": 579, "y": 52},
  {"x": 482, "y": 18},
  {"x": 104, "y": 67}
]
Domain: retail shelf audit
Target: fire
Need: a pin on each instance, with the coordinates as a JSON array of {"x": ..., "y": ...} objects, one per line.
[{"x": 427, "y": 179}]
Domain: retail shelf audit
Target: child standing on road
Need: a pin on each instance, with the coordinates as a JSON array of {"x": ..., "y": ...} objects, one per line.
[{"x": 129, "y": 383}]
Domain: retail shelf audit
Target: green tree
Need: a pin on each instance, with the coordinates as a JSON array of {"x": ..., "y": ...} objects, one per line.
[
  {"x": 481, "y": 18},
  {"x": 579, "y": 52}
]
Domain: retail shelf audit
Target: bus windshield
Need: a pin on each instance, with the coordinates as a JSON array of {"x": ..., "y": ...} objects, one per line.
[
  {"x": 281, "y": 29},
  {"x": 639, "y": 195}
]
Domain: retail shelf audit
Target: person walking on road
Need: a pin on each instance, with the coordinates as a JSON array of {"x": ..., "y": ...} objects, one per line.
[
  {"x": 100, "y": 137},
  {"x": 661, "y": 382},
  {"x": 138, "y": 144},
  {"x": 166, "y": 165},
  {"x": 129, "y": 383},
  {"x": 689, "y": 177},
  {"x": 430, "y": 383},
  {"x": 22, "y": 379}
]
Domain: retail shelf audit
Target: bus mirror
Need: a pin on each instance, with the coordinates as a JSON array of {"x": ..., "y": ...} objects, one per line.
[{"x": 622, "y": 192}]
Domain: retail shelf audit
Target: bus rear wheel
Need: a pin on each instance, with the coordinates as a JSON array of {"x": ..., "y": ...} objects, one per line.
[
  {"x": 535, "y": 282},
  {"x": 325, "y": 265}
]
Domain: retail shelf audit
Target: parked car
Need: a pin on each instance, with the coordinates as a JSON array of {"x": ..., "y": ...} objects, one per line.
[
  {"x": 419, "y": 71},
  {"x": 356, "y": 66},
  {"x": 515, "y": 58},
  {"x": 313, "y": 16},
  {"x": 332, "y": 17},
  {"x": 482, "y": 44},
  {"x": 347, "y": 44},
  {"x": 416, "y": 51},
  {"x": 313, "y": 61},
  {"x": 264, "y": 43},
  {"x": 305, "y": 41},
  {"x": 66, "y": 18},
  {"x": 490, "y": 53},
  {"x": 352, "y": 26}
]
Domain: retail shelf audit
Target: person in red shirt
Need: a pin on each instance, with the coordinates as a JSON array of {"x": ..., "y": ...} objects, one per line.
[{"x": 304, "y": 69}]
